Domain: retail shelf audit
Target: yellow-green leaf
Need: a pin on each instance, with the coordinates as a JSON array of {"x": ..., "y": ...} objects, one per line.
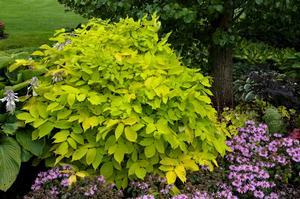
[
  {"x": 171, "y": 177},
  {"x": 71, "y": 99},
  {"x": 61, "y": 136},
  {"x": 45, "y": 129},
  {"x": 90, "y": 155},
  {"x": 180, "y": 172},
  {"x": 72, "y": 143},
  {"x": 79, "y": 153},
  {"x": 130, "y": 134},
  {"x": 62, "y": 149},
  {"x": 119, "y": 130},
  {"x": 150, "y": 151}
]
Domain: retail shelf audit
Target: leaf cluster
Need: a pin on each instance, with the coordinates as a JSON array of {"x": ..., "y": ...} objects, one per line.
[
  {"x": 269, "y": 86},
  {"x": 16, "y": 145},
  {"x": 116, "y": 98}
]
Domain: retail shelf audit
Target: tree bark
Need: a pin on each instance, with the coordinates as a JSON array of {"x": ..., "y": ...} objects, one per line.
[
  {"x": 220, "y": 60},
  {"x": 221, "y": 63}
]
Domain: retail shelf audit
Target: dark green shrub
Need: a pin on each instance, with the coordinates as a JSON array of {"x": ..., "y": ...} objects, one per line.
[
  {"x": 269, "y": 86},
  {"x": 117, "y": 99}
]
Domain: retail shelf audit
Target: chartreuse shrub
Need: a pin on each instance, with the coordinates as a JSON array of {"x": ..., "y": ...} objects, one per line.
[{"x": 117, "y": 99}]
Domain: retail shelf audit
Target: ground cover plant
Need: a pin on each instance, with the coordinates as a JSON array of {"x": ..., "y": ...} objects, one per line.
[
  {"x": 31, "y": 23},
  {"x": 261, "y": 165}
]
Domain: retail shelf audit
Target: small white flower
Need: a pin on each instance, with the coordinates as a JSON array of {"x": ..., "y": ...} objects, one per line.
[
  {"x": 60, "y": 46},
  {"x": 11, "y": 98},
  {"x": 57, "y": 77},
  {"x": 34, "y": 83}
]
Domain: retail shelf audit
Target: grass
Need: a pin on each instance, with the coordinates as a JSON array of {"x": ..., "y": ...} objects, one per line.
[{"x": 29, "y": 23}]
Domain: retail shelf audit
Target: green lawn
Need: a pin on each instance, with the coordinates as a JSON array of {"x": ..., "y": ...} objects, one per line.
[{"x": 30, "y": 23}]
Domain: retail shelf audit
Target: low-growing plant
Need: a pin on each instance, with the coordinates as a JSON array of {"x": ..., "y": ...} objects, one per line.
[
  {"x": 116, "y": 98},
  {"x": 235, "y": 118},
  {"x": 16, "y": 145},
  {"x": 269, "y": 86},
  {"x": 55, "y": 184},
  {"x": 261, "y": 162}
]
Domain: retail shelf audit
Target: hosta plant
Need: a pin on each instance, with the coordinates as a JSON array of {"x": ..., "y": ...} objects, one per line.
[
  {"x": 16, "y": 145},
  {"x": 116, "y": 98}
]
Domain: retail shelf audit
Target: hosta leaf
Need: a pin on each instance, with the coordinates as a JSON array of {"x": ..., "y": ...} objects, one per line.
[
  {"x": 35, "y": 147},
  {"x": 10, "y": 162},
  {"x": 25, "y": 155}
]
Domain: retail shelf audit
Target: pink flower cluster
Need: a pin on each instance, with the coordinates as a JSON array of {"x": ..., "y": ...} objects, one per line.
[{"x": 254, "y": 154}]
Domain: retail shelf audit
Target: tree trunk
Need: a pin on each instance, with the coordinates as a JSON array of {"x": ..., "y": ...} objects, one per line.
[
  {"x": 220, "y": 60},
  {"x": 221, "y": 63}
]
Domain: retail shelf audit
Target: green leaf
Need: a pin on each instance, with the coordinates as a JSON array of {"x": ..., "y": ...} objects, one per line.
[
  {"x": 9, "y": 128},
  {"x": 159, "y": 145},
  {"x": 45, "y": 129},
  {"x": 96, "y": 99},
  {"x": 140, "y": 172},
  {"x": 90, "y": 123},
  {"x": 180, "y": 172},
  {"x": 98, "y": 159},
  {"x": 26, "y": 117},
  {"x": 90, "y": 155},
  {"x": 107, "y": 169},
  {"x": 77, "y": 137},
  {"x": 10, "y": 162},
  {"x": 130, "y": 134},
  {"x": 72, "y": 143},
  {"x": 150, "y": 151},
  {"x": 171, "y": 177},
  {"x": 25, "y": 155},
  {"x": 71, "y": 99},
  {"x": 62, "y": 148},
  {"x": 150, "y": 128},
  {"x": 35, "y": 147},
  {"x": 119, "y": 154},
  {"x": 61, "y": 136},
  {"x": 79, "y": 153},
  {"x": 119, "y": 130},
  {"x": 63, "y": 114}
]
